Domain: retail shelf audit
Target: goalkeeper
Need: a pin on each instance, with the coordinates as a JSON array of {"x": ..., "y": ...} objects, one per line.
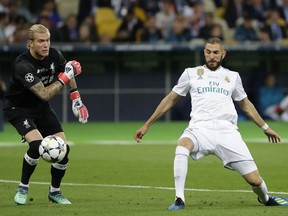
[{"x": 38, "y": 75}]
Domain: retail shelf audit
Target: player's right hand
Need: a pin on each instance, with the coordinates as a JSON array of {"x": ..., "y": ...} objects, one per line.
[{"x": 72, "y": 69}]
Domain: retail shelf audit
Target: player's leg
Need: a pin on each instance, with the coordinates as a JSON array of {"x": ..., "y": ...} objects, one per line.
[
  {"x": 258, "y": 185},
  {"x": 184, "y": 147},
  {"x": 57, "y": 173},
  {"x": 249, "y": 172},
  {"x": 30, "y": 161},
  {"x": 189, "y": 145},
  {"x": 25, "y": 126},
  {"x": 50, "y": 124}
]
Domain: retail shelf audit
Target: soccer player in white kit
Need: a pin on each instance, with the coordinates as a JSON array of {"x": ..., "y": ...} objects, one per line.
[{"x": 213, "y": 125}]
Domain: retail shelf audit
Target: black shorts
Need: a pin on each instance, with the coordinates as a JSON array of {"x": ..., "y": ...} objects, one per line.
[{"x": 26, "y": 119}]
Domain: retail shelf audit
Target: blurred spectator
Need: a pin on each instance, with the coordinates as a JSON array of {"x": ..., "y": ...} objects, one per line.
[
  {"x": 89, "y": 21},
  {"x": 84, "y": 34},
  {"x": 19, "y": 35},
  {"x": 139, "y": 10},
  {"x": 130, "y": 28},
  {"x": 282, "y": 109},
  {"x": 179, "y": 5},
  {"x": 86, "y": 8},
  {"x": 275, "y": 25},
  {"x": 217, "y": 31},
  {"x": 69, "y": 31},
  {"x": 245, "y": 31},
  {"x": 209, "y": 23},
  {"x": 269, "y": 95},
  {"x": 257, "y": 9},
  {"x": 151, "y": 33},
  {"x": 50, "y": 10},
  {"x": 205, "y": 30},
  {"x": 264, "y": 36},
  {"x": 34, "y": 7},
  {"x": 233, "y": 11},
  {"x": 106, "y": 21},
  {"x": 165, "y": 16},
  {"x": 5, "y": 6},
  {"x": 67, "y": 7},
  {"x": 9, "y": 27},
  {"x": 283, "y": 11},
  {"x": 18, "y": 9},
  {"x": 179, "y": 32},
  {"x": 54, "y": 36},
  {"x": 121, "y": 7},
  {"x": 151, "y": 7},
  {"x": 3, "y": 18},
  {"x": 87, "y": 32},
  {"x": 194, "y": 16}
]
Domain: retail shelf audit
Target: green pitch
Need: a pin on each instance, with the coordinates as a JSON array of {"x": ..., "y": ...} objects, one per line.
[{"x": 109, "y": 174}]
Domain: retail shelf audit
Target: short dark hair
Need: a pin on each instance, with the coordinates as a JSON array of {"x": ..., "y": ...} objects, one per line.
[{"x": 214, "y": 40}]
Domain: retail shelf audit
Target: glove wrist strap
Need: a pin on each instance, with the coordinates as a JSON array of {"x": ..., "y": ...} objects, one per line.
[
  {"x": 74, "y": 95},
  {"x": 63, "y": 78}
]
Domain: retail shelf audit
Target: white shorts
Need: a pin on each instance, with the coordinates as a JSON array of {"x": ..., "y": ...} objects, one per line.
[{"x": 226, "y": 143}]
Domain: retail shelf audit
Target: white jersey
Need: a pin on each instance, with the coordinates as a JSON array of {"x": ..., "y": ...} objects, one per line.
[{"x": 211, "y": 94}]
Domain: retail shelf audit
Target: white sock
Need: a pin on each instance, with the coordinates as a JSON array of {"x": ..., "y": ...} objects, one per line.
[
  {"x": 23, "y": 185},
  {"x": 52, "y": 189},
  {"x": 180, "y": 170},
  {"x": 262, "y": 192}
]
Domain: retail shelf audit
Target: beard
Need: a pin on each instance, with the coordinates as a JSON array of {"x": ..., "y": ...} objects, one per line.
[{"x": 213, "y": 65}]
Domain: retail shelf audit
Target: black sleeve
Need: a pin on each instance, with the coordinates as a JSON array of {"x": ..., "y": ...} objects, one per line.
[
  {"x": 62, "y": 62},
  {"x": 26, "y": 74}
]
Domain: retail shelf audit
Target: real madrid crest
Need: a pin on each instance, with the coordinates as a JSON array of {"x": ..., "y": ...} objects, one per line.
[{"x": 200, "y": 72}]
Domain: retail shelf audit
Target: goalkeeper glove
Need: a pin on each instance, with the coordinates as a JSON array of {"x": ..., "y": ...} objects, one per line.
[
  {"x": 78, "y": 108},
  {"x": 72, "y": 69}
]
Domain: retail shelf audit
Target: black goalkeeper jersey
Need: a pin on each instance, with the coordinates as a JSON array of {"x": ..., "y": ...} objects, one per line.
[{"x": 26, "y": 72}]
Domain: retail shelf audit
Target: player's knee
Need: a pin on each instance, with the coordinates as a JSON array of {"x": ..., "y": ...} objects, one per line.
[
  {"x": 32, "y": 155},
  {"x": 33, "y": 150},
  {"x": 254, "y": 179},
  {"x": 186, "y": 143},
  {"x": 255, "y": 182}
]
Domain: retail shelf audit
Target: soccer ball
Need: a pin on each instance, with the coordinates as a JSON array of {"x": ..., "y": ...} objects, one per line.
[{"x": 52, "y": 149}]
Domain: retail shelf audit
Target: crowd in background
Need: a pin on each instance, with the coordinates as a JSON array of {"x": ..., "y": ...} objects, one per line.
[
  {"x": 147, "y": 21},
  {"x": 156, "y": 21}
]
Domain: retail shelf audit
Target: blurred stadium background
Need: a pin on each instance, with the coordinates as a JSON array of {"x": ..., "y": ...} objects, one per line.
[
  {"x": 124, "y": 80},
  {"x": 122, "y": 83}
]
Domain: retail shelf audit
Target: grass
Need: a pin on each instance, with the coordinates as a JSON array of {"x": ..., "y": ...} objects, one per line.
[{"x": 109, "y": 175}]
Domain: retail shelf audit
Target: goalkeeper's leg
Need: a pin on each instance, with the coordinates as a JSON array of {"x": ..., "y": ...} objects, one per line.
[
  {"x": 30, "y": 161},
  {"x": 57, "y": 173}
]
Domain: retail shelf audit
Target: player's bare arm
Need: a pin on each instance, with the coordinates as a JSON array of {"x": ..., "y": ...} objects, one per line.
[
  {"x": 165, "y": 105},
  {"x": 46, "y": 93},
  {"x": 250, "y": 110},
  {"x": 72, "y": 84}
]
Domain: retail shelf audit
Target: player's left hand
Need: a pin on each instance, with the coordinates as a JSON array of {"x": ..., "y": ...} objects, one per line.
[
  {"x": 272, "y": 136},
  {"x": 78, "y": 108}
]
